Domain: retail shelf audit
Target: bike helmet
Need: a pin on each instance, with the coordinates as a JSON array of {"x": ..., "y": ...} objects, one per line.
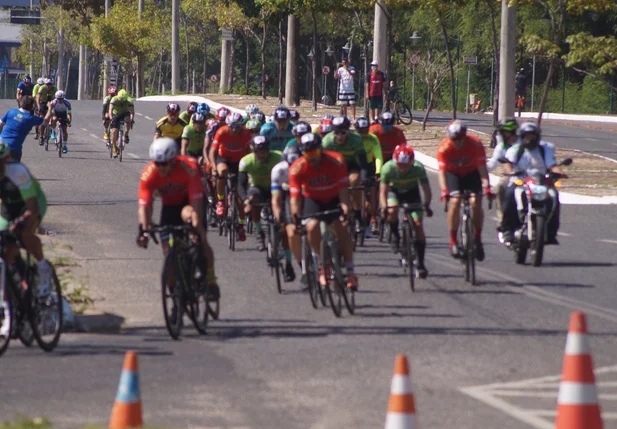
[
  {"x": 341, "y": 123},
  {"x": 301, "y": 128},
  {"x": 329, "y": 116},
  {"x": 294, "y": 115},
  {"x": 457, "y": 130},
  {"x": 362, "y": 124},
  {"x": 234, "y": 120},
  {"x": 48, "y": 81},
  {"x": 309, "y": 141},
  {"x": 403, "y": 154},
  {"x": 60, "y": 95},
  {"x": 253, "y": 125},
  {"x": 124, "y": 95},
  {"x": 529, "y": 128},
  {"x": 281, "y": 113},
  {"x": 509, "y": 125},
  {"x": 173, "y": 108},
  {"x": 291, "y": 153},
  {"x": 221, "y": 114},
  {"x": 40, "y": 81},
  {"x": 4, "y": 149},
  {"x": 204, "y": 109},
  {"x": 27, "y": 79},
  {"x": 325, "y": 126},
  {"x": 191, "y": 107},
  {"x": 260, "y": 143},
  {"x": 112, "y": 90},
  {"x": 251, "y": 109},
  {"x": 163, "y": 149},
  {"x": 259, "y": 116},
  {"x": 198, "y": 117},
  {"x": 386, "y": 119}
]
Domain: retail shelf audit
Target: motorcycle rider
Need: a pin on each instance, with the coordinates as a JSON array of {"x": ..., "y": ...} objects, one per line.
[{"x": 531, "y": 156}]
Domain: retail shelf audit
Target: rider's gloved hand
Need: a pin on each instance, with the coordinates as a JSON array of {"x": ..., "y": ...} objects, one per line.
[{"x": 444, "y": 195}]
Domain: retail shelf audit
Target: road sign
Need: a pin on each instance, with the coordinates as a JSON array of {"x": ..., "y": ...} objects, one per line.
[
  {"x": 470, "y": 60},
  {"x": 227, "y": 34},
  {"x": 414, "y": 59},
  {"x": 325, "y": 69},
  {"x": 214, "y": 78},
  {"x": 25, "y": 17}
]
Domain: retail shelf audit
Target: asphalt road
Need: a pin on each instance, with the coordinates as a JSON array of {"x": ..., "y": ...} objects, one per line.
[
  {"x": 599, "y": 142},
  {"x": 274, "y": 362}
]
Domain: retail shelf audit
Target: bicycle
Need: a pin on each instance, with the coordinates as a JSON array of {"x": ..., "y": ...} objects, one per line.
[
  {"x": 357, "y": 226},
  {"x": 188, "y": 295},
  {"x": 228, "y": 223},
  {"x": 400, "y": 108},
  {"x": 46, "y": 135},
  {"x": 274, "y": 254},
  {"x": 119, "y": 142},
  {"x": 330, "y": 258},
  {"x": 28, "y": 316},
  {"x": 60, "y": 139}
]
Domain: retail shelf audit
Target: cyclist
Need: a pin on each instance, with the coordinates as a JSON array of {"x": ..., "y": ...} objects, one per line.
[
  {"x": 324, "y": 128},
  {"x": 177, "y": 180},
  {"x": 250, "y": 110},
  {"x": 294, "y": 116},
  {"x": 16, "y": 124},
  {"x": 298, "y": 130},
  {"x": 279, "y": 130},
  {"x": 254, "y": 175},
  {"x": 120, "y": 109},
  {"x": 389, "y": 135},
  {"x": 506, "y": 138},
  {"x": 374, "y": 162},
  {"x": 462, "y": 167},
  {"x": 231, "y": 143},
  {"x": 213, "y": 127},
  {"x": 43, "y": 97},
  {"x": 204, "y": 109},
  {"x": 171, "y": 125},
  {"x": 39, "y": 82},
  {"x": 23, "y": 207},
  {"x": 193, "y": 138},
  {"x": 259, "y": 116},
  {"x": 318, "y": 182},
  {"x": 112, "y": 91},
  {"x": 401, "y": 180},
  {"x": 24, "y": 88},
  {"x": 188, "y": 113},
  {"x": 253, "y": 126},
  {"x": 60, "y": 110},
  {"x": 349, "y": 144}
]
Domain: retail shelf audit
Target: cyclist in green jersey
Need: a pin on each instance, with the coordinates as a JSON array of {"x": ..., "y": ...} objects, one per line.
[
  {"x": 401, "y": 180},
  {"x": 253, "y": 126},
  {"x": 39, "y": 82},
  {"x": 374, "y": 161},
  {"x": 121, "y": 109},
  {"x": 349, "y": 144},
  {"x": 193, "y": 138},
  {"x": 254, "y": 178},
  {"x": 112, "y": 91},
  {"x": 43, "y": 98},
  {"x": 298, "y": 130}
]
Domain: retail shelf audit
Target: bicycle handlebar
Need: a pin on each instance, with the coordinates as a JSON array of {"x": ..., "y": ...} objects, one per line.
[{"x": 165, "y": 228}]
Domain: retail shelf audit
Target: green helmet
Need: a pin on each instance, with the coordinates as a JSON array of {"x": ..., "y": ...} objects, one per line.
[
  {"x": 253, "y": 124},
  {"x": 510, "y": 125},
  {"x": 123, "y": 94},
  {"x": 4, "y": 149}
]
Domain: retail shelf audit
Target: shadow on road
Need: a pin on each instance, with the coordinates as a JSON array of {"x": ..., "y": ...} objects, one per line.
[
  {"x": 90, "y": 203},
  {"x": 106, "y": 349},
  {"x": 579, "y": 264}
]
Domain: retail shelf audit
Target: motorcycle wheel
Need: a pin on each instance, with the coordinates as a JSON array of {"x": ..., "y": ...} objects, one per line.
[{"x": 538, "y": 246}]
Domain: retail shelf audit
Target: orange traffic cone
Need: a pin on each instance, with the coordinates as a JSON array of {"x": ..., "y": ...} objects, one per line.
[
  {"x": 401, "y": 407},
  {"x": 126, "y": 412},
  {"x": 577, "y": 405}
]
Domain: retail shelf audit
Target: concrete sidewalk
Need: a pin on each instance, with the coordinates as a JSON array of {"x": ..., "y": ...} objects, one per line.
[{"x": 608, "y": 119}]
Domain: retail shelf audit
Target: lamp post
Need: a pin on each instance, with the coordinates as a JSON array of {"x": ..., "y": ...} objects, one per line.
[
  {"x": 311, "y": 56},
  {"x": 414, "y": 37},
  {"x": 346, "y": 50},
  {"x": 325, "y": 98}
]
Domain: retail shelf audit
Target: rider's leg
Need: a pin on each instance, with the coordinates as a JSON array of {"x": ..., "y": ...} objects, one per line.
[
  {"x": 293, "y": 242},
  {"x": 392, "y": 219},
  {"x": 356, "y": 196},
  {"x": 454, "y": 217},
  {"x": 127, "y": 128},
  {"x": 187, "y": 215},
  {"x": 221, "y": 170},
  {"x": 477, "y": 215},
  {"x": 420, "y": 239},
  {"x": 32, "y": 244},
  {"x": 313, "y": 233},
  {"x": 553, "y": 223}
]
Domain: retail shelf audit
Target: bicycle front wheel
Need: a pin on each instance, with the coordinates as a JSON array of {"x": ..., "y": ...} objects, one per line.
[
  {"x": 6, "y": 326},
  {"x": 59, "y": 141},
  {"x": 275, "y": 257},
  {"x": 470, "y": 252},
  {"x": 308, "y": 269},
  {"x": 409, "y": 257},
  {"x": 233, "y": 225},
  {"x": 403, "y": 113},
  {"x": 46, "y": 313},
  {"x": 333, "y": 289},
  {"x": 173, "y": 297},
  {"x": 120, "y": 144}
]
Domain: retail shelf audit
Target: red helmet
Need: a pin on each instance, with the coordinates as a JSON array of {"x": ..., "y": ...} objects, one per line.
[
  {"x": 403, "y": 154},
  {"x": 192, "y": 107},
  {"x": 112, "y": 90},
  {"x": 325, "y": 126},
  {"x": 222, "y": 113}
]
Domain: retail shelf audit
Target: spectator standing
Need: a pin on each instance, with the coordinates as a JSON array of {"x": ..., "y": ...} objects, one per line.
[
  {"x": 346, "y": 91},
  {"x": 374, "y": 90},
  {"x": 17, "y": 123}
]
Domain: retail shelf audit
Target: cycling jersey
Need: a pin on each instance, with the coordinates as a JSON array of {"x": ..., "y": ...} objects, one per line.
[
  {"x": 186, "y": 116},
  {"x": 181, "y": 184},
  {"x": 213, "y": 127},
  {"x": 403, "y": 182},
  {"x": 321, "y": 183},
  {"x": 389, "y": 139},
  {"x": 279, "y": 178},
  {"x": 164, "y": 128},
  {"x": 352, "y": 150},
  {"x": 35, "y": 90},
  {"x": 230, "y": 146},
  {"x": 195, "y": 138},
  {"x": 106, "y": 102},
  {"x": 373, "y": 151},
  {"x": 461, "y": 161},
  {"x": 60, "y": 109},
  {"x": 259, "y": 174},
  {"x": 122, "y": 106},
  {"x": 16, "y": 187},
  {"x": 47, "y": 94},
  {"x": 25, "y": 89},
  {"x": 278, "y": 139}
]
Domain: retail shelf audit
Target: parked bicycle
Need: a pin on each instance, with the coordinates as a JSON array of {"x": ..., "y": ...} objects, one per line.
[{"x": 398, "y": 106}]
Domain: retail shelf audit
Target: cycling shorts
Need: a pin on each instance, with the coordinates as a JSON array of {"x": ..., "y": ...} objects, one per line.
[
  {"x": 231, "y": 166},
  {"x": 458, "y": 184},
  {"x": 410, "y": 197},
  {"x": 262, "y": 195},
  {"x": 171, "y": 215},
  {"x": 115, "y": 120},
  {"x": 310, "y": 207}
]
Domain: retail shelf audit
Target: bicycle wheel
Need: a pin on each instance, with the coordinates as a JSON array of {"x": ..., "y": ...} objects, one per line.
[
  {"x": 21, "y": 322},
  {"x": 46, "y": 137},
  {"x": 172, "y": 309},
  {"x": 6, "y": 323},
  {"x": 349, "y": 296},
  {"x": 59, "y": 141},
  {"x": 275, "y": 262},
  {"x": 382, "y": 228},
  {"x": 409, "y": 259},
  {"x": 308, "y": 269},
  {"x": 334, "y": 291},
  {"x": 233, "y": 222},
  {"x": 470, "y": 252},
  {"x": 46, "y": 314},
  {"x": 198, "y": 308},
  {"x": 404, "y": 113}
]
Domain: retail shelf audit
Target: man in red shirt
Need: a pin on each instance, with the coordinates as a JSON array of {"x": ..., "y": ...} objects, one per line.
[
  {"x": 374, "y": 90},
  {"x": 231, "y": 143},
  {"x": 178, "y": 181},
  {"x": 320, "y": 178},
  {"x": 462, "y": 166},
  {"x": 389, "y": 135}
]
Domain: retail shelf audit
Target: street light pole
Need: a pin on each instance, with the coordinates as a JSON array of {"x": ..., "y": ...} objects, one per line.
[
  {"x": 175, "y": 46},
  {"x": 413, "y": 87},
  {"x": 533, "y": 79}
]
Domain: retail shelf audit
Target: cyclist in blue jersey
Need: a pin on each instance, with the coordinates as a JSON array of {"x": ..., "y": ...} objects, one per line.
[
  {"x": 24, "y": 88},
  {"x": 279, "y": 131}
]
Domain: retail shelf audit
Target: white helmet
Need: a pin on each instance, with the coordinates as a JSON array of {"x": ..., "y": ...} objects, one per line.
[
  {"x": 40, "y": 81},
  {"x": 163, "y": 149},
  {"x": 48, "y": 81},
  {"x": 60, "y": 94}
]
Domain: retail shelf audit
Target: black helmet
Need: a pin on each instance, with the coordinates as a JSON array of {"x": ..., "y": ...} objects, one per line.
[
  {"x": 259, "y": 116},
  {"x": 301, "y": 128},
  {"x": 281, "y": 113},
  {"x": 309, "y": 141},
  {"x": 291, "y": 152},
  {"x": 260, "y": 143},
  {"x": 362, "y": 124},
  {"x": 341, "y": 123}
]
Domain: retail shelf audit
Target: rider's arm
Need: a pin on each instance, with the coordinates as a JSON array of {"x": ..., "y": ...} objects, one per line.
[
  {"x": 344, "y": 199},
  {"x": 184, "y": 145},
  {"x": 214, "y": 147},
  {"x": 378, "y": 155},
  {"x": 441, "y": 179},
  {"x": 484, "y": 176},
  {"x": 498, "y": 152},
  {"x": 243, "y": 184},
  {"x": 105, "y": 109},
  {"x": 111, "y": 109},
  {"x": 383, "y": 195},
  {"x": 18, "y": 94}
]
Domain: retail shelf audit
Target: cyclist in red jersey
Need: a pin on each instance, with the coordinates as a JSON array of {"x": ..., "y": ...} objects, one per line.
[
  {"x": 462, "y": 166},
  {"x": 178, "y": 181},
  {"x": 320, "y": 179},
  {"x": 231, "y": 143},
  {"x": 389, "y": 135}
]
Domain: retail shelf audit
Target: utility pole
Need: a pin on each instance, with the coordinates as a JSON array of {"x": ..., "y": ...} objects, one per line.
[
  {"x": 380, "y": 36},
  {"x": 106, "y": 63},
  {"x": 175, "y": 46},
  {"x": 506, "y": 60},
  {"x": 81, "y": 79},
  {"x": 226, "y": 40},
  {"x": 140, "y": 90},
  {"x": 60, "y": 73},
  {"x": 32, "y": 49},
  {"x": 291, "y": 71}
]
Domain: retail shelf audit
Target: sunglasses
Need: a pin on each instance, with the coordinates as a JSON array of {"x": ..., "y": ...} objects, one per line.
[
  {"x": 313, "y": 153},
  {"x": 161, "y": 164},
  {"x": 340, "y": 133}
]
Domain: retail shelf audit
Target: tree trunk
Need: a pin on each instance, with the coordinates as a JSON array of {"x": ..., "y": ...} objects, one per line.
[
  {"x": 248, "y": 59},
  {"x": 263, "y": 60},
  {"x": 68, "y": 73},
  {"x": 188, "y": 58},
  {"x": 281, "y": 61},
  {"x": 205, "y": 68},
  {"x": 60, "y": 72},
  {"x": 450, "y": 66},
  {"x": 314, "y": 63},
  {"x": 291, "y": 69},
  {"x": 232, "y": 68},
  {"x": 495, "y": 99},
  {"x": 547, "y": 85},
  {"x": 366, "y": 73},
  {"x": 429, "y": 108}
]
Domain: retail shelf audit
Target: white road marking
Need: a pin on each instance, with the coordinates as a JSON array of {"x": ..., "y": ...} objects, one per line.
[
  {"x": 132, "y": 155},
  {"x": 565, "y": 234},
  {"x": 94, "y": 135},
  {"x": 591, "y": 140},
  {"x": 139, "y": 114},
  {"x": 609, "y": 241},
  {"x": 85, "y": 129},
  {"x": 149, "y": 118},
  {"x": 495, "y": 218}
]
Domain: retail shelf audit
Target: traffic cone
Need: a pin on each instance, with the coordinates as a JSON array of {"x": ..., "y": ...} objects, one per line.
[
  {"x": 401, "y": 407},
  {"x": 126, "y": 412},
  {"x": 577, "y": 404}
]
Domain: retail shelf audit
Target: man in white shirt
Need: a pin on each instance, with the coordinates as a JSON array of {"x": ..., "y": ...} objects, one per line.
[
  {"x": 530, "y": 156},
  {"x": 346, "y": 91}
]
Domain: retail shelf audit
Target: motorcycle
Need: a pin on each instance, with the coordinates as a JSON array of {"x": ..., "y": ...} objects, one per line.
[{"x": 536, "y": 201}]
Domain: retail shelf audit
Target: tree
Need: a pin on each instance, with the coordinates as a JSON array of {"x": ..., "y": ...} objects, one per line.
[{"x": 434, "y": 70}]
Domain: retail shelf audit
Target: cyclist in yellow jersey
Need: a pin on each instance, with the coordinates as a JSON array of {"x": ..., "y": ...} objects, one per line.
[
  {"x": 374, "y": 162},
  {"x": 120, "y": 109},
  {"x": 171, "y": 125}
]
